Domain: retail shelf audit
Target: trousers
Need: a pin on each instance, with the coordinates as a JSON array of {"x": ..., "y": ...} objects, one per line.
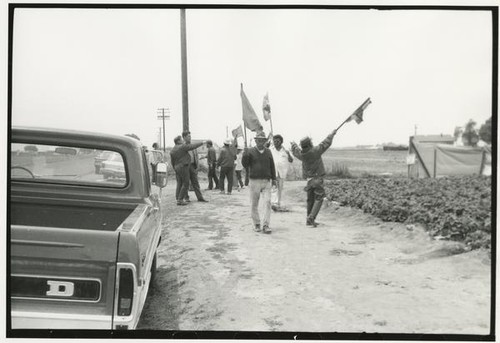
[{"x": 260, "y": 192}]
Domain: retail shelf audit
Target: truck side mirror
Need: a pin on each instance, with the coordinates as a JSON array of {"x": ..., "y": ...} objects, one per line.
[{"x": 161, "y": 174}]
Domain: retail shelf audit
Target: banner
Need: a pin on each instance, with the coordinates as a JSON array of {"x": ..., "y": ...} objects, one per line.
[
  {"x": 266, "y": 107},
  {"x": 358, "y": 114},
  {"x": 238, "y": 132},
  {"x": 249, "y": 117}
]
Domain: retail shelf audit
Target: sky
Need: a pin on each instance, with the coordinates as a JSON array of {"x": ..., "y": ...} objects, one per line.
[{"x": 110, "y": 70}]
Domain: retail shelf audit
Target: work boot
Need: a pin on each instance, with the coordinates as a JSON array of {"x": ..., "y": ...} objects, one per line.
[
  {"x": 266, "y": 229},
  {"x": 314, "y": 212},
  {"x": 311, "y": 222}
]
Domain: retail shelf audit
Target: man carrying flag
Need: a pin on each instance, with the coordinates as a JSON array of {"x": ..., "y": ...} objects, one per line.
[
  {"x": 312, "y": 165},
  {"x": 313, "y": 171}
]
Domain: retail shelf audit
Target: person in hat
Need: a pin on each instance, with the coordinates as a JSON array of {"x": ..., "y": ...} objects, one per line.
[
  {"x": 313, "y": 171},
  {"x": 193, "y": 169},
  {"x": 225, "y": 161},
  {"x": 282, "y": 160},
  {"x": 262, "y": 174}
]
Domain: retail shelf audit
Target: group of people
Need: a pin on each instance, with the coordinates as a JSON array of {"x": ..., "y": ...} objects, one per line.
[{"x": 266, "y": 165}]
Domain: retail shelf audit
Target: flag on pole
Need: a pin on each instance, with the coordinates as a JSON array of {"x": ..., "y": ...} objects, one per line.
[
  {"x": 249, "y": 117},
  {"x": 238, "y": 132},
  {"x": 266, "y": 107},
  {"x": 358, "y": 114}
]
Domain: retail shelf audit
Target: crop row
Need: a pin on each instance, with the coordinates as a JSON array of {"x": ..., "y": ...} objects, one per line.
[{"x": 454, "y": 208}]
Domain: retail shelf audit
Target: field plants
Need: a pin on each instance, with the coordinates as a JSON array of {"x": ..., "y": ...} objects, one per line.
[{"x": 454, "y": 208}]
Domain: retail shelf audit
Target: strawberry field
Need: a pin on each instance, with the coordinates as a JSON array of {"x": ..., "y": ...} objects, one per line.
[{"x": 454, "y": 208}]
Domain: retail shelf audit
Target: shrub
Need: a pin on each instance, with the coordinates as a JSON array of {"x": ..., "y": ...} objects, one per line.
[
  {"x": 338, "y": 170},
  {"x": 456, "y": 208}
]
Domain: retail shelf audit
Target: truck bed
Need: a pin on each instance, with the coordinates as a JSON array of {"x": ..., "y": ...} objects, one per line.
[{"x": 88, "y": 217}]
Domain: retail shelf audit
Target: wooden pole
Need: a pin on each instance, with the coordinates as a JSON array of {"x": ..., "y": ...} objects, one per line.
[
  {"x": 435, "y": 162},
  {"x": 483, "y": 162},
  {"x": 185, "y": 107},
  {"x": 245, "y": 135},
  {"x": 420, "y": 159}
]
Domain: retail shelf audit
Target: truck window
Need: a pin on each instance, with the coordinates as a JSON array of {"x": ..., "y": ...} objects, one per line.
[{"x": 66, "y": 164}]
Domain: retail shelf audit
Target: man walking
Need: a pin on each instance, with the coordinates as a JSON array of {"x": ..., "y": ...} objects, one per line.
[
  {"x": 193, "y": 168},
  {"x": 212, "y": 161},
  {"x": 262, "y": 174},
  {"x": 282, "y": 160},
  {"x": 154, "y": 157},
  {"x": 313, "y": 171},
  {"x": 226, "y": 164},
  {"x": 181, "y": 160}
]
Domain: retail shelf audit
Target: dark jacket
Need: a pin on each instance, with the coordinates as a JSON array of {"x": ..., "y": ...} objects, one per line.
[
  {"x": 211, "y": 156},
  {"x": 226, "y": 157},
  {"x": 179, "y": 155},
  {"x": 312, "y": 163},
  {"x": 261, "y": 165}
]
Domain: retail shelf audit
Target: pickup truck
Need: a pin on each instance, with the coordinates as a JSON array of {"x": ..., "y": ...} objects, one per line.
[{"x": 83, "y": 247}]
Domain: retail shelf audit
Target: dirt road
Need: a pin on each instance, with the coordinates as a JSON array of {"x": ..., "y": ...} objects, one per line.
[{"x": 353, "y": 273}]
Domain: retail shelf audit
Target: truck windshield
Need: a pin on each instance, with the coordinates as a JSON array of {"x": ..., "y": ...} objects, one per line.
[{"x": 65, "y": 164}]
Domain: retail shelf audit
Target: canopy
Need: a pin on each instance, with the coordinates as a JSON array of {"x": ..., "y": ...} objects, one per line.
[{"x": 437, "y": 160}]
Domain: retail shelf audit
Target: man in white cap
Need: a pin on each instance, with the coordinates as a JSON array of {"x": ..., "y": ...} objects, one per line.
[
  {"x": 225, "y": 161},
  {"x": 262, "y": 173},
  {"x": 282, "y": 161}
]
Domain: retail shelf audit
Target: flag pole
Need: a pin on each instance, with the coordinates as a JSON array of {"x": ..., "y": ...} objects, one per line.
[
  {"x": 245, "y": 134},
  {"x": 345, "y": 121},
  {"x": 244, "y": 124}
]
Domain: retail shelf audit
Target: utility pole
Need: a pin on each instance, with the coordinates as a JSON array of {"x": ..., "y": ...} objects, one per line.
[
  {"x": 164, "y": 116},
  {"x": 159, "y": 136},
  {"x": 185, "y": 108}
]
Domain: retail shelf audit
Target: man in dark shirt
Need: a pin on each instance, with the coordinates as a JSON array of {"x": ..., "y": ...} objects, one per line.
[
  {"x": 313, "y": 171},
  {"x": 181, "y": 160},
  {"x": 193, "y": 168},
  {"x": 226, "y": 160},
  {"x": 212, "y": 161},
  {"x": 262, "y": 174}
]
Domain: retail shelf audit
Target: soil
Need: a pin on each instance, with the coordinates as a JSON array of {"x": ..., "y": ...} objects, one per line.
[{"x": 353, "y": 273}]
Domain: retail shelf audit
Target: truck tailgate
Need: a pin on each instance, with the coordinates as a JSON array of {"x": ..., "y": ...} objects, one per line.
[{"x": 62, "y": 274}]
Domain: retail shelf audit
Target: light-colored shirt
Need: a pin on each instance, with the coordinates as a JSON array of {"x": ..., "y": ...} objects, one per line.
[
  {"x": 280, "y": 158},
  {"x": 237, "y": 164}
]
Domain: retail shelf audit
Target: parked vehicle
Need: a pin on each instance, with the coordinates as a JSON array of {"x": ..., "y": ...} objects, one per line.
[
  {"x": 99, "y": 159},
  {"x": 83, "y": 248},
  {"x": 113, "y": 167}
]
